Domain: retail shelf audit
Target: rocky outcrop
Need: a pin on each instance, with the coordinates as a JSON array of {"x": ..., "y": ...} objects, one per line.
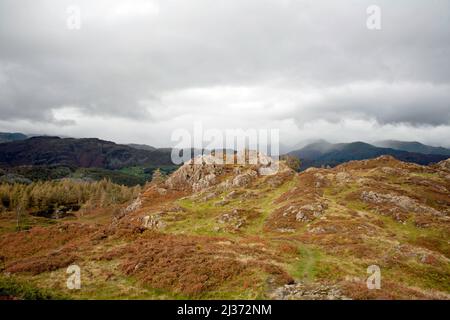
[
  {"x": 343, "y": 177},
  {"x": 153, "y": 221},
  {"x": 306, "y": 212},
  {"x": 321, "y": 180},
  {"x": 195, "y": 175},
  {"x": 393, "y": 171},
  {"x": 309, "y": 212},
  {"x": 405, "y": 203},
  {"x": 206, "y": 171},
  {"x": 244, "y": 179},
  {"x": 133, "y": 206},
  {"x": 303, "y": 291},
  {"x": 234, "y": 220},
  {"x": 444, "y": 165}
]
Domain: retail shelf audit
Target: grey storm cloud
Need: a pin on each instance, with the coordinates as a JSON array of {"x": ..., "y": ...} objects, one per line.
[
  {"x": 135, "y": 60},
  {"x": 408, "y": 103}
]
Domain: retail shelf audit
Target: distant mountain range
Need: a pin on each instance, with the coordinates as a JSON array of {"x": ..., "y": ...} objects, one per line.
[
  {"x": 19, "y": 150},
  {"x": 412, "y": 147},
  {"x": 85, "y": 153},
  {"x": 323, "y": 153}
]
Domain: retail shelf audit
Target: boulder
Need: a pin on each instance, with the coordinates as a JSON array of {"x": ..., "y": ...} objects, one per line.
[
  {"x": 308, "y": 291},
  {"x": 153, "y": 221},
  {"x": 404, "y": 203},
  {"x": 244, "y": 179}
]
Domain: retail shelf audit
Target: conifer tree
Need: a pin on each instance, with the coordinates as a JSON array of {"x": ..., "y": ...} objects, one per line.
[{"x": 158, "y": 176}]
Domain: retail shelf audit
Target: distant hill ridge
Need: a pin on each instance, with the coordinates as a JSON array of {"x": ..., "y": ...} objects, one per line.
[
  {"x": 413, "y": 146},
  {"x": 20, "y": 150},
  {"x": 323, "y": 153},
  {"x": 11, "y": 136},
  {"x": 87, "y": 152}
]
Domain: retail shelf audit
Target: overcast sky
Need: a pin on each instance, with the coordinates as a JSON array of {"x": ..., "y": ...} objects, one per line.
[{"x": 136, "y": 70}]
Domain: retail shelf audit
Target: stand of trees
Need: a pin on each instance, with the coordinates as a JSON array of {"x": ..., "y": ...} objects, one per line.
[{"x": 48, "y": 196}]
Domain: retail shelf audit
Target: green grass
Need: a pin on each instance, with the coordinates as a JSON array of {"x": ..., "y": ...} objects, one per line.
[
  {"x": 267, "y": 206},
  {"x": 21, "y": 289},
  {"x": 8, "y": 222},
  {"x": 137, "y": 172},
  {"x": 96, "y": 286},
  {"x": 237, "y": 289},
  {"x": 307, "y": 263},
  {"x": 200, "y": 218},
  {"x": 146, "y": 172},
  {"x": 116, "y": 176}
]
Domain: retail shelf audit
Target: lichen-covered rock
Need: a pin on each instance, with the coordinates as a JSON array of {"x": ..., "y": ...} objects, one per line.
[
  {"x": 161, "y": 191},
  {"x": 233, "y": 219},
  {"x": 303, "y": 291},
  {"x": 393, "y": 171},
  {"x": 205, "y": 171},
  {"x": 244, "y": 179},
  {"x": 221, "y": 203},
  {"x": 309, "y": 212},
  {"x": 133, "y": 206},
  {"x": 153, "y": 221},
  {"x": 321, "y": 180},
  {"x": 444, "y": 165},
  {"x": 343, "y": 177},
  {"x": 405, "y": 203},
  {"x": 204, "y": 182},
  {"x": 195, "y": 175}
]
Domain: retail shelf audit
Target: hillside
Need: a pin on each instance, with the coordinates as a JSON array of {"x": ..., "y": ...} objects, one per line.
[
  {"x": 323, "y": 154},
  {"x": 84, "y": 153},
  {"x": 11, "y": 136},
  {"x": 49, "y": 158},
  {"x": 413, "y": 146},
  {"x": 141, "y": 147},
  {"x": 213, "y": 231}
]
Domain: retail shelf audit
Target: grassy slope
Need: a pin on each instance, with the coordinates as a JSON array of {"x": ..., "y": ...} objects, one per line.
[{"x": 330, "y": 257}]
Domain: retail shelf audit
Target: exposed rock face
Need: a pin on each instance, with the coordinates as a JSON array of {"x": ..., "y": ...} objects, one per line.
[
  {"x": 307, "y": 212},
  {"x": 444, "y": 165},
  {"x": 195, "y": 176},
  {"x": 310, "y": 211},
  {"x": 153, "y": 221},
  {"x": 405, "y": 203},
  {"x": 321, "y": 180},
  {"x": 234, "y": 194},
  {"x": 244, "y": 179},
  {"x": 233, "y": 219},
  {"x": 302, "y": 291},
  {"x": 205, "y": 171},
  {"x": 133, "y": 206},
  {"x": 393, "y": 171},
  {"x": 161, "y": 191},
  {"x": 236, "y": 219},
  {"x": 136, "y": 204},
  {"x": 204, "y": 182},
  {"x": 343, "y": 177}
]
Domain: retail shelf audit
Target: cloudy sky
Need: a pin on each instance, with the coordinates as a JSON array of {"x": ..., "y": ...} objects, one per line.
[{"x": 137, "y": 70}]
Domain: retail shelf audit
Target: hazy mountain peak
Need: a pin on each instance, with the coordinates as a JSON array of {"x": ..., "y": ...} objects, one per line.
[
  {"x": 412, "y": 146},
  {"x": 11, "y": 136}
]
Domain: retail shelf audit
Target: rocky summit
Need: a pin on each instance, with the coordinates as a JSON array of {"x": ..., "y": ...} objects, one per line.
[{"x": 232, "y": 231}]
